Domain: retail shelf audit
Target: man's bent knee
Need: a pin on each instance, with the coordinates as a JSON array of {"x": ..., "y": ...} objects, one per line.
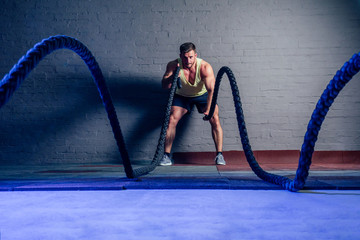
[
  {"x": 215, "y": 121},
  {"x": 176, "y": 114},
  {"x": 173, "y": 121}
]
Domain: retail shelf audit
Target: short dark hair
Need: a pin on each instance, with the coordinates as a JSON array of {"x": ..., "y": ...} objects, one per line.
[{"x": 187, "y": 47}]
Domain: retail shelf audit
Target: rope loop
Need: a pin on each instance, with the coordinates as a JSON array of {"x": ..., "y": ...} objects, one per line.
[
  {"x": 28, "y": 62},
  {"x": 341, "y": 78}
]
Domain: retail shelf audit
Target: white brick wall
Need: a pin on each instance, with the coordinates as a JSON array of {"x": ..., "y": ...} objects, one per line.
[{"x": 282, "y": 52}]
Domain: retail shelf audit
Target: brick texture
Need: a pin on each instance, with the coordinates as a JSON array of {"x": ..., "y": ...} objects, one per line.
[{"x": 283, "y": 54}]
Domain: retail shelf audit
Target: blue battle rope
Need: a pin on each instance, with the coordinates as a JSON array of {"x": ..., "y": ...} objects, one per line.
[
  {"x": 342, "y": 77},
  {"x": 28, "y": 62},
  {"x": 18, "y": 73}
]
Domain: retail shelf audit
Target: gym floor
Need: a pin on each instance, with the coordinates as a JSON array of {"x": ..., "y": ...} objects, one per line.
[
  {"x": 180, "y": 214},
  {"x": 182, "y": 201}
]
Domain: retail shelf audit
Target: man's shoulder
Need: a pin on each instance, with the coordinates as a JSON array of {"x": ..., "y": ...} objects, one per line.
[{"x": 205, "y": 67}]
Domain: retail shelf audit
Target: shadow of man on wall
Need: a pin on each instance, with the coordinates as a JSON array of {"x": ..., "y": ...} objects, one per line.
[{"x": 34, "y": 118}]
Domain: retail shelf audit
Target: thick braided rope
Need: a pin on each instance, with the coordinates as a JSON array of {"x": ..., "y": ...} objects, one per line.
[
  {"x": 342, "y": 77},
  {"x": 18, "y": 73},
  {"x": 161, "y": 143},
  {"x": 28, "y": 62}
]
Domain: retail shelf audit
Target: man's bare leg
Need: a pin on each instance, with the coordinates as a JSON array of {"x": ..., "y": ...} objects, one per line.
[
  {"x": 175, "y": 115},
  {"x": 217, "y": 134}
]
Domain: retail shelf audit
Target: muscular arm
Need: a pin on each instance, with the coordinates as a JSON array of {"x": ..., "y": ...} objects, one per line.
[
  {"x": 207, "y": 75},
  {"x": 168, "y": 76}
]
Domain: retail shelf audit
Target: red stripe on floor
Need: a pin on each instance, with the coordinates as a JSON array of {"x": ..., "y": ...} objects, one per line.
[{"x": 273, "y": 160}]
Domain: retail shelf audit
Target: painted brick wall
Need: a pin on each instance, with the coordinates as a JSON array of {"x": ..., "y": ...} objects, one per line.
[{"x": 283, "y": 53}]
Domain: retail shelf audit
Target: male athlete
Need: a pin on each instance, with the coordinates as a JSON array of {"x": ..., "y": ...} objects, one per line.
[{"x": 197, "y": 88}]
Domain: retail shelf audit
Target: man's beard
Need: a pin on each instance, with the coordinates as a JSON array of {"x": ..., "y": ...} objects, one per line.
[{"x": 189, "y": 67}]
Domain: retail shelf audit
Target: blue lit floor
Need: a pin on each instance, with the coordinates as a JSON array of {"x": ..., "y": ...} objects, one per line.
[
  {"x": 180, "y": 214},
  {"x": 177, "y": 202}
]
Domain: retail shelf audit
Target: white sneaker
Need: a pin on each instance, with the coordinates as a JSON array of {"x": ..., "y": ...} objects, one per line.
[
  {"x": 219, "y": 160},
  {"x": 165, "y": 161}
]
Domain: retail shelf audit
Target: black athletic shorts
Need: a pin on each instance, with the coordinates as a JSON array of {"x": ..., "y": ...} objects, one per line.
[{"x": 188, "y": 102}]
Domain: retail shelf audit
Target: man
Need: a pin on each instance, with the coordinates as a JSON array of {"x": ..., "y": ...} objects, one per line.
[{"x": 198, "y": 81}]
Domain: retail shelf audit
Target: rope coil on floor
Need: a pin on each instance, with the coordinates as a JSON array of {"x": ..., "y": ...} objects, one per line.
[{"x": 28, "y": 62}]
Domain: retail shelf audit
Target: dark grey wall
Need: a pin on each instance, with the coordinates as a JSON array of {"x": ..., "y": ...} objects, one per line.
[{"x": 282, "y": 52}]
